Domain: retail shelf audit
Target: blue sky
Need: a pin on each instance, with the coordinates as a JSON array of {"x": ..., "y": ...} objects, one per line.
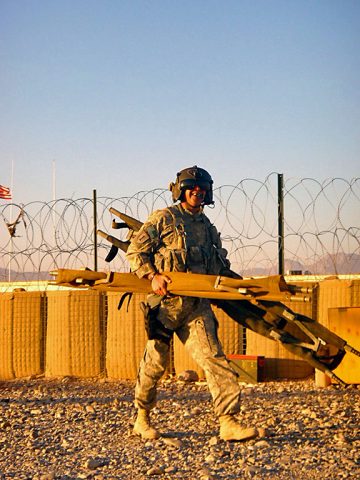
[{"x": 120, "y": 95}]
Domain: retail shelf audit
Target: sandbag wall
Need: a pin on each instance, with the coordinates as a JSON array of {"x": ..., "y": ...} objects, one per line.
[
  {"x": 82, "y": 333},
  {"x": 22, "y": 334},
  {"x": 334, "y": 293},
  {"x": 74, "y": 333},
  {"x": 126, "y": 337}
]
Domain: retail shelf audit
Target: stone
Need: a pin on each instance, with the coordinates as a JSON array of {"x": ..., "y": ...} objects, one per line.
[
  {"x": 155, "y": 471},
  {"x": 94, "y": 463},
  {"x": 188, "y": 376},
  {"x": 262, "y": 444},
  {"x": 262, "y": 432},
  {"x": 173, "y": 442},
  {"x": 214, "y": 441}
]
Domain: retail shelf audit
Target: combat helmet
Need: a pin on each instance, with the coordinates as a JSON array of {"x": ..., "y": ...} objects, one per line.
[{"x": 188, "y": 178}]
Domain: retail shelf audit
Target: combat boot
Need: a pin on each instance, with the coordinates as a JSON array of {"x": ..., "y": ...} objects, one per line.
[
  {"x": 142, "y": 426},
  {"x": 230, "y": 429}
]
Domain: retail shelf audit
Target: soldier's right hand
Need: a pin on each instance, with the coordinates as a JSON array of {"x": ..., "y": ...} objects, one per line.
[{"x": 159, "y": 283}]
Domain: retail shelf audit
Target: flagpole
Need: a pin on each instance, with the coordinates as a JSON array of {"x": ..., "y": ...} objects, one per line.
[
  {"x": 11, "y": 210},
  {"x": 54, "y": 180},
  {"x": 54, "y": 196}
]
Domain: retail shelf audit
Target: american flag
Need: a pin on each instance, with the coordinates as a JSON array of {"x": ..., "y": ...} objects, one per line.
[{"x": 5, "y": 193}]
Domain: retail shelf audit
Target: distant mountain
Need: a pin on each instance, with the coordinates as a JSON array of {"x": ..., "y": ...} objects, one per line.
[{"x": 341, "y": 263}]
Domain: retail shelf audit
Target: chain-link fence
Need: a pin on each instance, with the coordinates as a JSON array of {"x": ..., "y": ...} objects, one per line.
[{"x": 321, "y": 228}]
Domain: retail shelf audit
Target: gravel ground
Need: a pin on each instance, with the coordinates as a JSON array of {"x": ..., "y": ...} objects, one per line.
[{"x": 75, "y": 429}]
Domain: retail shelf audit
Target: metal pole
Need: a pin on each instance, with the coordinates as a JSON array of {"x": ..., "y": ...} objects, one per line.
[
  {"x": 95, "y": 229},
  {"x": 281, "y": 223},
  {"x": 11, "y": 211}
]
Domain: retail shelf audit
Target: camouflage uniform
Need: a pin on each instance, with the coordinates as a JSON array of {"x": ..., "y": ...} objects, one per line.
[{"x": 173, "y": 239}]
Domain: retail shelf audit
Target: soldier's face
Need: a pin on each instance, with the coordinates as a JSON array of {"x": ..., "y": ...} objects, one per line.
[{"x": 194, "y": 197}]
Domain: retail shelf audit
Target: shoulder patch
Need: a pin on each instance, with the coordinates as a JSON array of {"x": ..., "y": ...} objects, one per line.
[
  {"x": 151, "y": 231},
  {"x": 142, "y": 237}
]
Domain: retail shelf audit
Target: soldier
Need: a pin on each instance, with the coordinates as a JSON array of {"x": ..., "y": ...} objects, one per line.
[{"x": 181, "y": 238}]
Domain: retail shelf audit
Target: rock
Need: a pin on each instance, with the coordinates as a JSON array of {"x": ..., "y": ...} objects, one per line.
[
  {"x": 36, "y": 411},
  {"x": 48, "y": 476},
  {"x": 210, "y": 458},
  {"x": 340, "y": 438},
  {"x": 94, "y": 463},
  {"x": 172, "y": 442},
  {"x": 170, "y": 470},
  {"x": 155, "y": 471},
  {"x": 262, "y": 444},
  {"x": 251, "y": 471},
  {"x": 197, "y": 411},
  {"x": 262, "y": 432},
  {"x": 247, "y": 391},
  {"x": 286, "y": 459},
  {"x": 214, "y": 441},
  {"x": 188, "y": 376},
  {"x": 205, "y": 474}
]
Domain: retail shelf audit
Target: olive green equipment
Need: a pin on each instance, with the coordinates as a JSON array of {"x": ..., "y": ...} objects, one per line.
[{"x": 256, "y": 303}]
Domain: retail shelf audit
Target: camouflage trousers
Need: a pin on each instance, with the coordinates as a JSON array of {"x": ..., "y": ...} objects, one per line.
[{"x": 195, "y": 325}]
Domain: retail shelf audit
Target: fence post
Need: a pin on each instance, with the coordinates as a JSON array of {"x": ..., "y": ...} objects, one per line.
[
  {"x": 281, "y": 223},
  {"x": 95, "y": 230}
]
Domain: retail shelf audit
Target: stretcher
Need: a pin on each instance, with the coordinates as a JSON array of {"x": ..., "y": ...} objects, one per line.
[{"x": 258, "y": 304}]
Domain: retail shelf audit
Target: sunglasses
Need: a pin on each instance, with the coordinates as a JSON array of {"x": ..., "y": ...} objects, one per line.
[{"x": 190, "y": 184}]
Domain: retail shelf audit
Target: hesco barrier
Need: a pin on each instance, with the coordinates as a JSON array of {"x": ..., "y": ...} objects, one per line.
[
  {"x": 126, "y": 337},
  {"x": 82, "y": 333},
  {"x": 6, "y": 336},
  {"x": 74, "y": 334},
  {"x": 22, "y": 334},
  {"x": 28, "y": 333},
  {"x": 334, "y": 293}
]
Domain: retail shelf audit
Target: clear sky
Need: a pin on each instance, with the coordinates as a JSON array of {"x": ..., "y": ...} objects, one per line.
[{"x": 120, "y": 95}]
